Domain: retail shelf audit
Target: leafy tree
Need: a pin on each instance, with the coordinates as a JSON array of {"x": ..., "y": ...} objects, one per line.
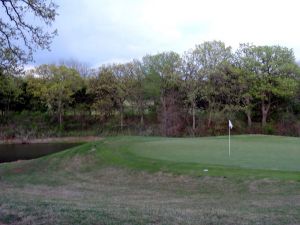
[
  {"x": 244, "y": 61},
  {"x": 10, "y": 90},
  {"x": 165, "y": 68},
  {"x": 256, "y": 81},
  {"x": 27, "y": 101},
  {"x": 124, "y": 76},
  {"x": 104, "y": 89},
  {"x": 138, "y": 93},
  {"x": 192, "y": 82},
  {"x": 275, "y": 73},
  {"x": 112, "y": 87},
  {"x": 82, "y": 100},
  {"x": 56, "y": 86},
  {"x": 211, "y": 58},
  {"x": 20, "y": 36}
]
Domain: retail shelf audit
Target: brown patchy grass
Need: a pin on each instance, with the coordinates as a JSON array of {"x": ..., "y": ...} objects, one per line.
[{"x": 118, "y": 196}]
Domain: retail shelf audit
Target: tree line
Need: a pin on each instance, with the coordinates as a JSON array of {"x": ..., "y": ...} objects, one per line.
[{"x": 195, "y": 93}]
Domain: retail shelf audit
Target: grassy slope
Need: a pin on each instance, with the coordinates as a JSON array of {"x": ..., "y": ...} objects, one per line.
[
  {"x": 252, "y": 156},
  {"x": 102, "y": 182}
]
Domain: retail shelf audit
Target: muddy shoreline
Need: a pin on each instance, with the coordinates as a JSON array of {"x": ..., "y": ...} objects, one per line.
[{"x": 51, "y": 140}]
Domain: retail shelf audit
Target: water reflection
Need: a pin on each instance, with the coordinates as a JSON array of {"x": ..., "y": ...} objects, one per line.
[{"x": 13, "y": 152}]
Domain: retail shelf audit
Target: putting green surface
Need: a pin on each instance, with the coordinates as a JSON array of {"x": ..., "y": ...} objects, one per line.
[{"x": 247, "y": 151}]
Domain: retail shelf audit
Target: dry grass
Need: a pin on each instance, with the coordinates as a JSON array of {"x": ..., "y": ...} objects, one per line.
[
  {"x": 118, "y": 196},
  {"x": 51, "y": 140}
]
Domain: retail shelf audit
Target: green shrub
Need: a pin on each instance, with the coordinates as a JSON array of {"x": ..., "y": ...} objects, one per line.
[{"x": 268, "y": 129}]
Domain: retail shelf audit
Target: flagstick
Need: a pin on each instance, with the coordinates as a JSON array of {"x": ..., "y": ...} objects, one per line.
[{"x": 229, "y": 141}]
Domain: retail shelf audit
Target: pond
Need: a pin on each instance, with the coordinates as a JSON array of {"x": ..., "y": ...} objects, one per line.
[{"x": 14, "y": 152}]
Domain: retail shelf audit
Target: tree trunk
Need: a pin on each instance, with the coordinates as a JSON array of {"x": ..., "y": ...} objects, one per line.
[
  {"x": 209, "y": 118},
  {"x": 194, "y": 118},
  {"x": 60, "y": 114},
  {"x": 249, "y": 118},
  {"x": 141, "y": 112},
  {"x": 248, "y": 111},
  {"x": 164, "y": 115},
  {"x": 7, "y": 107},
  {"x": 264, "y": 118},
  {"x": 142, "y": 119},
  {"x": 121, "y": 117},
  {"x": 264, "y": 110},
  {"x": 60, "y": 120}
]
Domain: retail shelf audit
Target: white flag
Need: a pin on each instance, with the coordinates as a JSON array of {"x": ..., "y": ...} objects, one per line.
[{"x": 230, "y": 124}]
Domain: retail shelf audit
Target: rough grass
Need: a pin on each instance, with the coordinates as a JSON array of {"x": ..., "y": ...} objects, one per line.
[
  {"x": 106, "y": 183},
  {"x": 119, "y": 196}
]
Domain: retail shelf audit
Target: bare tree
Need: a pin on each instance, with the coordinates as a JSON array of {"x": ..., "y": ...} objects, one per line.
[
  {"x": 23, "y": 30},
  {"x": 81, "y": 67}
]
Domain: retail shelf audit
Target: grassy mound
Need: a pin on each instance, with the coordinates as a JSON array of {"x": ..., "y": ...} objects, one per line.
[
  {"x": 251, "y": 156},
  {"x": 141, "y": 180}
]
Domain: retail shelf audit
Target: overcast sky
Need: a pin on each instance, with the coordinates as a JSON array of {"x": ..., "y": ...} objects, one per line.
[{"x": 104, "y": 31}]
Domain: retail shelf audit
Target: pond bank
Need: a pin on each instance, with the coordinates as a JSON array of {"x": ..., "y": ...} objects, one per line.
[{"x": 51, "y": 140}]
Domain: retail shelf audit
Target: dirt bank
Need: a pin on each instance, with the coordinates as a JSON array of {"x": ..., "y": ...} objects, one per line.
[{"x": 51, "y": 140}]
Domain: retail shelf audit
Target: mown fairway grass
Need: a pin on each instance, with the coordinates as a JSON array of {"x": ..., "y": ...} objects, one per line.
[
  {"x": 153, "y": 180},
  {"x": 250, "y": 151}
]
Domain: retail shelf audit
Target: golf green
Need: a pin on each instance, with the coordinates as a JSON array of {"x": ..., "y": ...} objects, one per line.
[{"x": 247, "y": 151}]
